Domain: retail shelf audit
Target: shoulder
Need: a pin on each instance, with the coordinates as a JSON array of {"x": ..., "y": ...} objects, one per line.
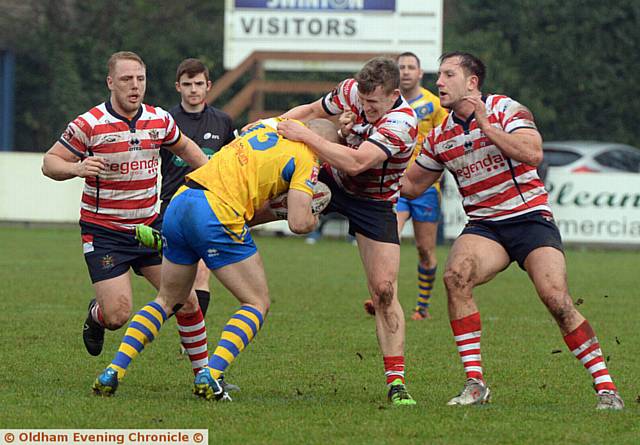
[
  {"x": 217, "y": 114},
  {"x": 175, "y": 110},
  {"x": 499, "y": 102},
  {"x": 153, "y": 111},
  {"x": 402, "y": 112},
  {"x": 89, "y": 119}
]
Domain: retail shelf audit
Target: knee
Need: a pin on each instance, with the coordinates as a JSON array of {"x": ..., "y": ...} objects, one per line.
[
  {"x": 190, "y": 306},
  {"x": 426, "y": 255},
  {"x": 459, "y": 278},
  {"x": 117, "y": 316},
  {"x": 383, "y": 293},
  {"x": 116, "y": 320}
]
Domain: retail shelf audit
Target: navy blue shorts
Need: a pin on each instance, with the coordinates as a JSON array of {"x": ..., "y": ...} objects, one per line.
[
  {"x": 520, "y": 235},
  {"x": 374, "y": 219},
  {"x": 109, "y": 253}
]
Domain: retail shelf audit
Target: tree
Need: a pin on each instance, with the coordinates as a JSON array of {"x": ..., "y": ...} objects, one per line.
[
  {"x": 62, "y": 48},
  {"x": 572, "y": 63}
]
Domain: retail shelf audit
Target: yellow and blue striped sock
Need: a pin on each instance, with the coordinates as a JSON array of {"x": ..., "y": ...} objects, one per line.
[
  {"x": 144, "y": 327},
  {"x": 426, "y": 278},
  {"x": 236, "y": 335}
]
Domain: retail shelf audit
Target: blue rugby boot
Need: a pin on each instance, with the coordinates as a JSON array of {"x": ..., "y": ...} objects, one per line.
[
  {"x": 205, "y": 386},
  {"x": 106, "y": 383}
]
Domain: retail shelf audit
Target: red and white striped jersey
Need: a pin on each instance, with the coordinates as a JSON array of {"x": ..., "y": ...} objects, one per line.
[
  {"x": 395, "y": 133},
  {"x": 126, "y": 194},
  {"x": 493, "y": 186}
]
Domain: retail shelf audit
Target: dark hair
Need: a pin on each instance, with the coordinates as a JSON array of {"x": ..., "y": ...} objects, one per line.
[
  {"x": 122, "y": 55},
  {"x": 379, "y": 71},
  {"x": 191, "y": 67},
  {"x": 469, "y": 63},
  {"x": 408, "y": 54}
]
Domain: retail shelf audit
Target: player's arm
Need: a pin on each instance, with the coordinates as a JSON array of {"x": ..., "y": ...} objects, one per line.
[
  {"x": 300, "y": 218},
  {"x": 306, "y": 112},
  {"x": 60, "y": 164},
  {"x": 188, "y": 150},
  {"x": 416, "y": 180},
  {"x": 352, "y": 162},
  {"x": 262, "y": 215},
  {"x": 522, "y": 144}
]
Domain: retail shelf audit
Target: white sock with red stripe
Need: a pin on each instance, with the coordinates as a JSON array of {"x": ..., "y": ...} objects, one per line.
[
  {"x": 583, "y": 342},
  {"x": 96, "y": 314},
  {"x": 394, "y": 368},
  {"x": 466, "y": 333},
  {"x": 193, "y": 335}
]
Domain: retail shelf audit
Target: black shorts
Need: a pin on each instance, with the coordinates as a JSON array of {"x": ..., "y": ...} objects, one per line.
[
  {"x": 374, "y": 219},
  {"x": 109, "y": 253},
  {"x": 519, "y": 235}
]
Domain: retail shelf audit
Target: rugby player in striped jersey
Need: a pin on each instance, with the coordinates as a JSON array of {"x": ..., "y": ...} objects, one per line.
[
  {"x": 491, "y": 145},
  {"x": 115, "y": 147}
]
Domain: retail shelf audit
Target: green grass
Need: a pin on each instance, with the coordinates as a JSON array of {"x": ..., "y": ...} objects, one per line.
[{"x": 314, "y": 373}]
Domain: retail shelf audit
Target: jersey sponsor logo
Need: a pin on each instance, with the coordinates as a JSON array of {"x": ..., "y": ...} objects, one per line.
[
  {"x": 151, "y": 165},
  {"x": 468, "y": 147},
  {"x": 449, "y": 145},
  {"x": 109, "y": 139},
  {"x": 80, "y": 123},
  {"x": 154, "y": 134},
  {"x": 134, "y": 144},
  {"x": 209, "y": 135},
  {"x": 424, "y": 110},
  {"x": 68, "y": 134},
  {"x": 486, "y": 164}
]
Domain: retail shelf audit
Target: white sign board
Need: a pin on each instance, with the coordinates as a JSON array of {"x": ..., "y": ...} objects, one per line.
[
  {"x": 599, "y": 208},
  {"x": 342, "y": 26}
]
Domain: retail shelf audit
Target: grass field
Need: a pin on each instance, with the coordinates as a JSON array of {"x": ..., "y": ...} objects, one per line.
[{"x": 314, "y": 373}]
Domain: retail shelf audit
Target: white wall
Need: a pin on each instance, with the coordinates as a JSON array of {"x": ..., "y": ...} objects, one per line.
[
  {"x": 588, "y": 207},
  {"x": 27, "y": 195}
]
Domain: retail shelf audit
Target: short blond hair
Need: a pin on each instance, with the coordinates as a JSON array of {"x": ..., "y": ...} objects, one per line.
[{"x": 122, "y": 55}]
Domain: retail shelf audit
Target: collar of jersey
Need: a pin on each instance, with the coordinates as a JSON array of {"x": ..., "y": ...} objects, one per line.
[
  {"x": 193, "y": 116},
  {"x": 131, "y": 123},
  {"x": 465, "y": 124}
]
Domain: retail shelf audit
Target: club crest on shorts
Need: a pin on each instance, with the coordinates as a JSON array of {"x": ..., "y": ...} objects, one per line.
[{"x": 107, "y": 262}]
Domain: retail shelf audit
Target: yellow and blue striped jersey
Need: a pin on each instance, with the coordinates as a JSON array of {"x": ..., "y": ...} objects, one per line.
[{"x": 255, "y": 167}]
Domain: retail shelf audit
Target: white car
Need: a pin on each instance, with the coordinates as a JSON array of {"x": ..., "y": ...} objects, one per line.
[{"x": 591, "y": 157}]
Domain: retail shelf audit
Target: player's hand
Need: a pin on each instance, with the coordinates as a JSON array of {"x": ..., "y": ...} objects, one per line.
[
  {"x": 479, "y": 110},
  {"x": 293, "y": 131},
  {"x": 346, "y": 120},
  {"x": 90, "y": 166}
]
